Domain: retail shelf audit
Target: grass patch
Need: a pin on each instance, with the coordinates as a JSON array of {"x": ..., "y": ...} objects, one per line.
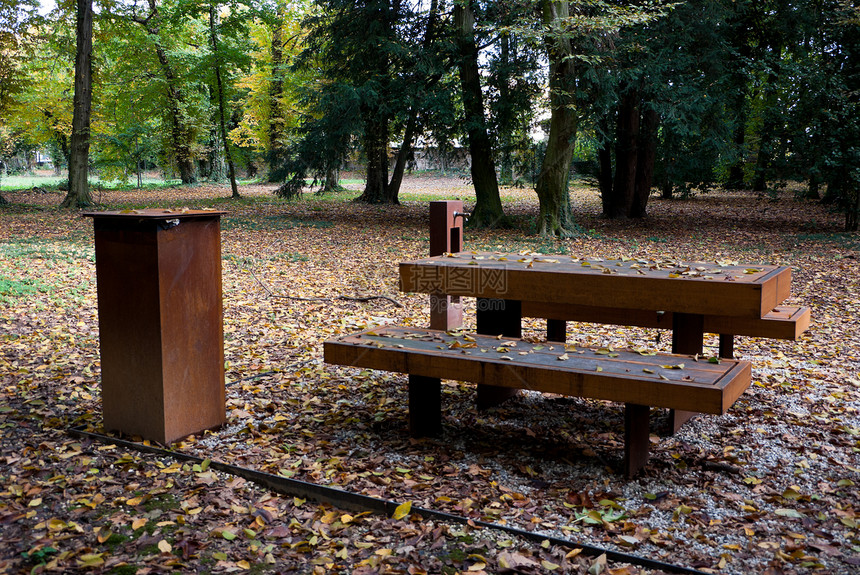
[
  {"x": 850, "y": 241},
  {"x": 12, "y": 289},
  {"x": 269, "y": 223},
  {"x": 47, "y": 249},
  {"x": 162, "y": 502},
  {"x": 289, "y": 257}
]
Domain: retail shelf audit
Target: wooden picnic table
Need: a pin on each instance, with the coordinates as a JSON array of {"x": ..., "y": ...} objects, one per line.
[
  {"x": 690, "y": 298},
  {"x": 691, "y": 294}
]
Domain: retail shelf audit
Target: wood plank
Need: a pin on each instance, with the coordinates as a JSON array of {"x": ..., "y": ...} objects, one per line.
[
  {"x": 497, "y": 317},
  {"x": 620, "y": 375},
  {"x": 783, "y": 322},
  {"x": 425, "y": 406},
  {"x": 636, "y": 437},
  {"x": 734, "y": 290}
]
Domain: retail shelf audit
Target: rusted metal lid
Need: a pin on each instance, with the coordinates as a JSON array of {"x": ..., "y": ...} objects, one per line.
[{"x": 155, "y": 213}]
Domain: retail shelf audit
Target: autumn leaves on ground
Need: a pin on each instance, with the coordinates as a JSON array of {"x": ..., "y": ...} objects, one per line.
[{"x": 770, "y": 487}]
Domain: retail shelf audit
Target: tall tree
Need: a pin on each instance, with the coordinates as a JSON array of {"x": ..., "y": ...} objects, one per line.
[
  {"x": 366, "y": 51},
  {"x": 552, "y": 184},
  {"x": 488, "y": 205},
  {"x": 79, "y": 189},
  {"x": 277, "y": 120},
  {"x": 14, "y": 17},
  {"x": 178, "y": 104},
  {"x": 219, "y": 86}
]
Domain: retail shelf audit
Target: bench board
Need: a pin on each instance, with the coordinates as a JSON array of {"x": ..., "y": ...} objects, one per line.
[
  {"x": 616, "y": 375},
  {"x": 783, "y": 322}
]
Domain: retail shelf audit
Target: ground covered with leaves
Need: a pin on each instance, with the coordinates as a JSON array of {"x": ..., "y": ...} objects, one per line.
[{"x": 770, "y": 487}]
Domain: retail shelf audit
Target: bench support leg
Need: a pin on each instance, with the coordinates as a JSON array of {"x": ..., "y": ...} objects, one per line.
[
  {"x": 425, "y": 406},
  {"x": 446, "y": 312},
  {"x": 497, "y": 317},
  {"x": 556, "y": 330},
  {"x": 636, "y": 437},
  {"x": 688, "y": 335},
  {"x": 727, "y": 346},
  {"x": 677, "y": 418}
]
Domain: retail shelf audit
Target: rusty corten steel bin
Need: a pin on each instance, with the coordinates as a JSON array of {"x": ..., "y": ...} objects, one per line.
[{"x": 160, "y": 321}]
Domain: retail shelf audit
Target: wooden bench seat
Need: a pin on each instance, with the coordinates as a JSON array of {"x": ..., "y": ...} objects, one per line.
[
  {"x": 783, "y": 322},
  {"x": 638, "y": 379}
]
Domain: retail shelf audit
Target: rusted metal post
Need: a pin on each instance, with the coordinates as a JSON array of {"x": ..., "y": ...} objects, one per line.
[
  {"x": 160, "y": 321},
  {"x": 446, "y": 235}
]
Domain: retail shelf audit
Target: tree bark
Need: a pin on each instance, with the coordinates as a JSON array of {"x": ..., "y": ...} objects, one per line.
[
  {"x": 488, "y": 210},
  {"x": 332, "y": 175},
  {"x": 645, "y": 162},
  {"x": 376, "y": 189},
  {"x": 604, "y": 177},
  {"x": 506, "y": 164},
  {"x": 79, "y": 189},
  {"x": 403, "y": 153},
  {"x": 626, "y": 155},
  {"x": 231, "y": 169},
  {"x": 555, "y": 217}
]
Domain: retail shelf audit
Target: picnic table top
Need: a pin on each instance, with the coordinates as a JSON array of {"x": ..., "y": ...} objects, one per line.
[{"x": 708, "y": 288}]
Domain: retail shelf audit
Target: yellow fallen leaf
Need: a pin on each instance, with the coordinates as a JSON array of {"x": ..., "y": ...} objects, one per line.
[
  {"x": 402, "y": 510},
  {"x": 164, "y": 546}
]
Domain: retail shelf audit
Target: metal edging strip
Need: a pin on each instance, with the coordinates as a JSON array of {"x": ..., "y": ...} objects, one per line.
[{"x": 350, "y": 501}]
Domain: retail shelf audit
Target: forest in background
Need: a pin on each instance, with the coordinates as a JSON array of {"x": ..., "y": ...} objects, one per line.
[{"x": 647, "y": 97}]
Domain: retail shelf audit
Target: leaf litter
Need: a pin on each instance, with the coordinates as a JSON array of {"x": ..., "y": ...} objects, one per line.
[{"x": 769, "y": 487}]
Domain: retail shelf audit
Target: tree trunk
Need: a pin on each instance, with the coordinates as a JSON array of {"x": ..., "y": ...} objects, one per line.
[
  {"x": 179, "y": 130},
  {"x": 231, "y": 169},
  {"x": 488, "y": 212},
  {"x": 79, "y": 189},
  {"x": 852, "y": 211},
  {"x": 412, "y": 126},
  {"x": 626, "y": 155},
  {"x": 768, "y": 134},
  {"x": 276, "y": 92},
  {"x": 332, "y": 175},
  {"x": 645, "y": 163},
  {"x": 740, "y": 103},
  {"x": 403, "y": 153},
  {"x": 506, "y": 164},
  {"x": 180, "y": 136},
  {"x": 604, "y": 170},
  {"x": 376, "y": 189},
  {"x": 552, "y": 182}
]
